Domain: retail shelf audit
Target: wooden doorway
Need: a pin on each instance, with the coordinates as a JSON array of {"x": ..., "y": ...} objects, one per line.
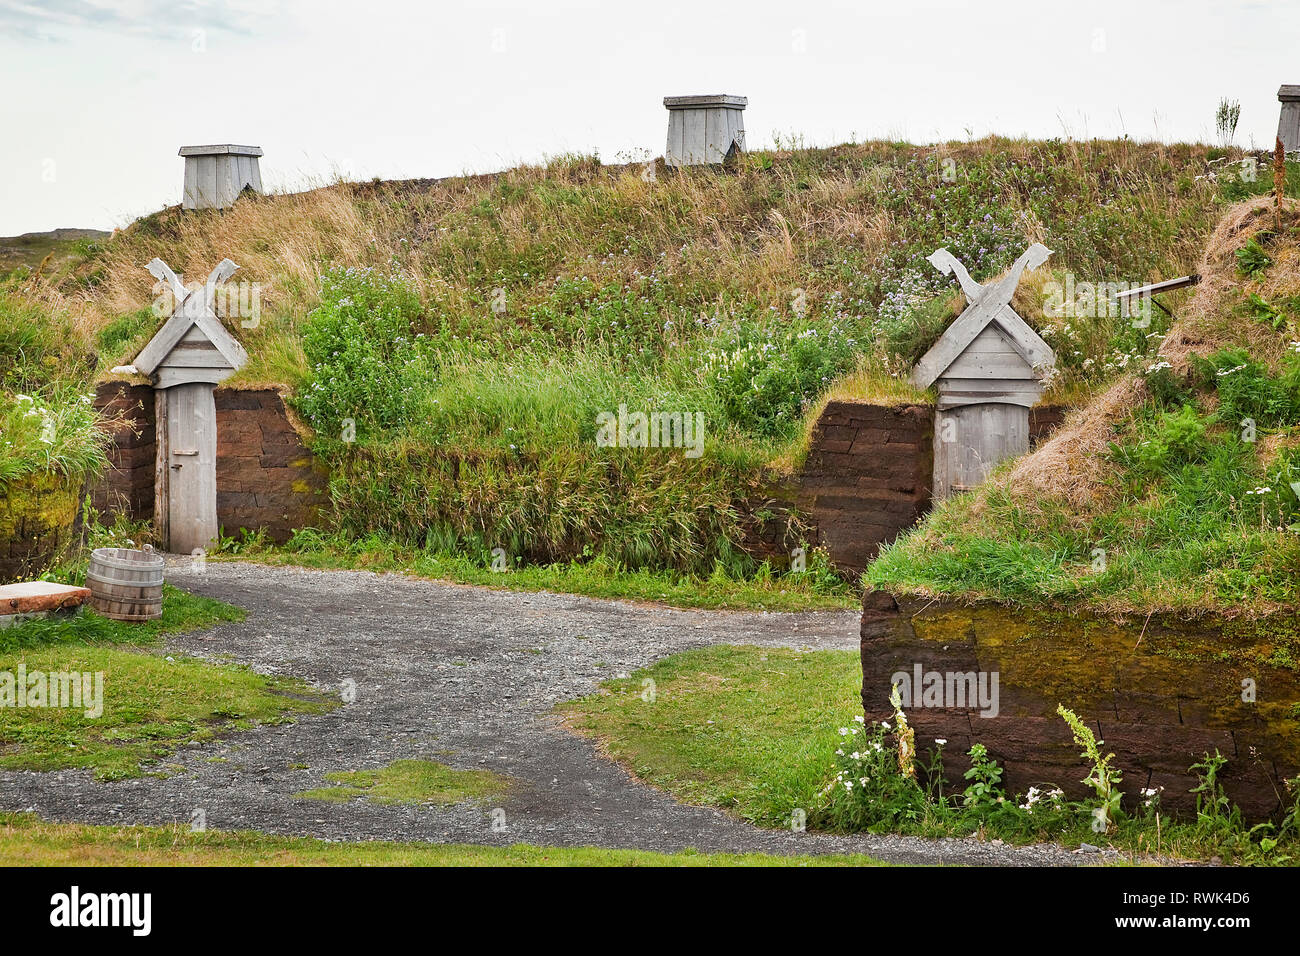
[
  {"x": 188, "y": 356},
  {"x": 971, "y": 439},
  {"x": 989, "y": 366},
  {"x": 191, "y": 459}
]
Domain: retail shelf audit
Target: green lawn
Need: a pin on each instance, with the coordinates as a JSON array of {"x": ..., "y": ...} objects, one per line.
[
  {"x": 747, "y": 729},
  {"x": 181, "y": 611},
  {"x": 151, "y": 703},
  {"x": 28, "y": 841},
  {"x": 412, "y": 782}
]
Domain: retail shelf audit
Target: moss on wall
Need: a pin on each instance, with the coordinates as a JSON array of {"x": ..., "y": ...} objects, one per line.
[
  {"x": 37, "y": 516},
  {"x": 1160, "y": 691}
]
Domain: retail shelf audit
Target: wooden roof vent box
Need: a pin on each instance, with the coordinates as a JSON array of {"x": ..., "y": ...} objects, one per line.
[
  {"x": 1288, "y": 121},
  {"x": 215, "y": 176},
  {"x": 704, "y": 130}
]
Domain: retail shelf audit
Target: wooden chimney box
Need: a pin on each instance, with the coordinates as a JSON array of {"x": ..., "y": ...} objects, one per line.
[
  {"x": 704, "y": 130},
  {"x": 1288, "y": 123},
  {"x": 216, "y": 175}
]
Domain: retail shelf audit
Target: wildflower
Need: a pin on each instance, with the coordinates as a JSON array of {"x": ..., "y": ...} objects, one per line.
[{"x": 940, "y": 741}]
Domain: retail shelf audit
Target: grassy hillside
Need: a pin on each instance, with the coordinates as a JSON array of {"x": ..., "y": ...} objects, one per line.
[
  {"x": 452, "y": 343},
  {"x": 47, "y": 253},
  {"x": 1178, "y": 489}
]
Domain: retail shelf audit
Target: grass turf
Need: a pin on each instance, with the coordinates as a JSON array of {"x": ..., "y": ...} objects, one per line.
[
  {"x": 28, "y": 841},
  {"x": 811, "y": 591},
  {"x": 742, "y": 728},
  {"x": 151, "y": 703},
  {"x": 411, "y": 782}
]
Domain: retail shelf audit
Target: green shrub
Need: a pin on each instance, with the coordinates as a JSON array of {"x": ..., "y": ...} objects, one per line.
[
  {"x": 1177, "y": 439},
  {"x": 1242, "y": 181},
  {"x": 764, "y": 376},
  {"x": 367, "y": 362},
  {"x": 114, "y": 337},
  {"x": 867, "y": 791},
  {"x": 1165, "y": 387},
  {"x": 638, "y": 508},
  {"x": 1247, "y": 390},
  {"x": 984, "y": 791},
  {"x": 904, "y": 333},
  {"x": 1275, "y": 317},
  {"x": 38, "y": 347},
  {"x": 47, "y": 419},
  {"x": 1252, "y": 259},
  {"x": 57, "y": 433}
]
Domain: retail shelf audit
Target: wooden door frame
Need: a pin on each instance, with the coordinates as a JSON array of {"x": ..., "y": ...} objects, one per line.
[{"x": 162, "y": 471}]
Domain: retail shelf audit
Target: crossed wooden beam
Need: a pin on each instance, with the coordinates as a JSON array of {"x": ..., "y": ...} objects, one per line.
[
  {"x": 1004, "y": 289},
  {"x": 194, "y": 308},
  {"x": 985, "y": 303},
  {"x": 163, "y": 273}
]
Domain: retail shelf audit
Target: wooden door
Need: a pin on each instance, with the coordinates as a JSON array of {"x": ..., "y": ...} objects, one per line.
[
  {"x": 191, "y": 455},
  {"x": 969, "y": 440}
]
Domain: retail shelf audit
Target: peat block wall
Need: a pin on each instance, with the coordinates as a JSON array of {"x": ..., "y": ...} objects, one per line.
[
  {"x": 266, "y": 476},
  {"x": 127, "y": 486},
  {"x": 1160, "y": 694},
  {"x": 867, "y": 478}
]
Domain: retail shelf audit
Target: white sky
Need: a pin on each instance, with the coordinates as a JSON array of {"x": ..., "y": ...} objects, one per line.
[{"x": 96, "y": 97}]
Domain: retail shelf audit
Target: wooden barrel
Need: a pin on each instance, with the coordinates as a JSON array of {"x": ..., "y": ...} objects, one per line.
[{"x": 126, "y": 584}]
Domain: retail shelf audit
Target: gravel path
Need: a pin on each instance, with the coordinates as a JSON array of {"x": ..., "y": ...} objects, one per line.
[{"x": 467, "y": 676}]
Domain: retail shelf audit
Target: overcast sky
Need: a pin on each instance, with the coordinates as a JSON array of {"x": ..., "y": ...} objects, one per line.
[{"x": 96, "y": 97}]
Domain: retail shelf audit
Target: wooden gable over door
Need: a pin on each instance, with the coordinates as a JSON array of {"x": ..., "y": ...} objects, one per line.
[{"x": 988, "y": 368}]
